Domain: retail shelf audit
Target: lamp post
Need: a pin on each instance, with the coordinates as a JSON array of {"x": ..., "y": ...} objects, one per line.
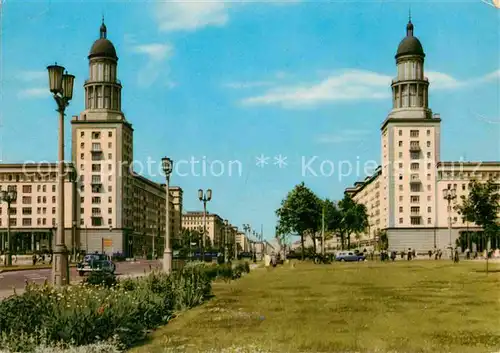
[
  {"x": 226, "y": 255},
  {"x": 8, "y": 197},
  {"x": 450, "y": 195},
  {"x": 61, "y": 86},
  {"x": 204, "y": 197},
  {"x": 167, "y": 165}
]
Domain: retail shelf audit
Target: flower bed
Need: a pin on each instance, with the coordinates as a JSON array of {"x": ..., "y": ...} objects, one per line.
[{"x": 86, "y": 314}]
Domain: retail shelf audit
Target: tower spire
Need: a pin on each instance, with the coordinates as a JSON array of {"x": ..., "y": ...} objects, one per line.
[
  {"x": 103, "y": 29},
  {"x": 409, "y": 26}
]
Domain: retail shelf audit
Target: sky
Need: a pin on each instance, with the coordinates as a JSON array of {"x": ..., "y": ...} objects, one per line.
[{"x": 266, "y": 94}]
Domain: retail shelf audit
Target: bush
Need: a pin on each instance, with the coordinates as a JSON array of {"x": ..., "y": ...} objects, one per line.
[
  {"x": 118, "y": 257},
  {"x": 101, "y": 278},
  {"x": 102, "y": 309}
]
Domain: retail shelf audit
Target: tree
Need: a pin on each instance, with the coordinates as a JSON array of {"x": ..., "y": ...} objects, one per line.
[
  {"x": 300, "y": 212},
  {"x": 481, "y": 207},
  {"x": 333, "y": 220},
  {"x": 347, "y": 218}
]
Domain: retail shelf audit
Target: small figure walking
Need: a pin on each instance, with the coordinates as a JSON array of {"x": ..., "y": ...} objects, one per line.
[
  {"x": 430, "y": 254},
  {"x": 455, "y": 257}
]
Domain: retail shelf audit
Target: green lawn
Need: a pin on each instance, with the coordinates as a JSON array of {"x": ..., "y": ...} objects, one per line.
[{"x": 418, "y": 306}]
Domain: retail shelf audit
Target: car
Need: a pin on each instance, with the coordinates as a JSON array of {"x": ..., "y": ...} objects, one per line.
[
  {"x": 349, "y": 256},
  {"x": 95, "y": 263}
]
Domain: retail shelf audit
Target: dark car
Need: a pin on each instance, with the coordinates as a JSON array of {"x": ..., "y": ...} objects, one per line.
[{"x": 95, "y": 263}]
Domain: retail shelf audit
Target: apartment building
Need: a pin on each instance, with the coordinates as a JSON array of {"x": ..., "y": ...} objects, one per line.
[
  {"x": 404, "y": 196},
  {"x": 121, "y": 211},
  {"x": 194, "y": 220},
  {"x": 33, "y": 215}
]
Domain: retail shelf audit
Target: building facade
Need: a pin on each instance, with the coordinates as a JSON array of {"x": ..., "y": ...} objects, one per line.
[
  {"x": 404, "y": 197},
  {"x": 33, "y": 214},
  {"x": 194, "y": 220}
]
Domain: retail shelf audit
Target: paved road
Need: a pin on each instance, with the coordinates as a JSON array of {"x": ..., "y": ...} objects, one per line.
[{"x": 18, "y": 279}]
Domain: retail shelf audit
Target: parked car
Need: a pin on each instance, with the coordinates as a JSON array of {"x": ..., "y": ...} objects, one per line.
[
  {"x": 349, "y": 256},
  {"x": 95, "y": 263}
]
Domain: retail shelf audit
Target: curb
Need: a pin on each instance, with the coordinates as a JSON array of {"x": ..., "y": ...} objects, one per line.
[{"x": 46, "y": 267}]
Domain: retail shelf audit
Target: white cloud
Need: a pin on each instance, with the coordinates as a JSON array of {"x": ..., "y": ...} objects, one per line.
[
  {"x": 343, "y": 136},
  {"x": 191, "y": 15},
  {"x": 34, "y": 92},
  {"x": 157, "y": 62},
  {"x": 346, "y": 86},
  {"x": 351, "y": 85},
  {"x": 33, "y": 75},
  {"x": 250, "y": 84}
]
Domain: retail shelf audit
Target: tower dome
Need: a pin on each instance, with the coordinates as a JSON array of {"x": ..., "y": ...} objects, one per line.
[
  {"x": 410, "y": 45},
  {"x": 103, "y": 46}
]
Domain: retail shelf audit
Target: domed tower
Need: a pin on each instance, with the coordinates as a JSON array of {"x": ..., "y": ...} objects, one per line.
[
  {"x": 410, "y": 87},
  {"x": 410, "y": 150},
  {"x": 103, "y": 89}
]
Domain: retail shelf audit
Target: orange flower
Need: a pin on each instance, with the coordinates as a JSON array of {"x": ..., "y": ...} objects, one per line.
[{"x": 100, "y": 311}]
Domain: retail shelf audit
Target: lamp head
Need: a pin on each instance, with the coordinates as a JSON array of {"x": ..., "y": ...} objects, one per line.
[
  {"x": 55, "y": 78},
  {"x": 67, "y": 86},
  {"x": 200, "y": 194},
  {"x": 12, "y": 195},
  {"x": 167, "y": 166},
  {"x": 209, "y": 194}
]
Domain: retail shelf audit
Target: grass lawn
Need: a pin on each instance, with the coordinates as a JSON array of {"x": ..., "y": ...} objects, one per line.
[{"x": 418, "y": 306}]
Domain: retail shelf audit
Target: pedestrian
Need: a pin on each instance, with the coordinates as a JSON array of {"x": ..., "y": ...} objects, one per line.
[
  {"x": 34, "y": 259},
  {"x": 393, "y": 255},
  {"x": 430, "y": 254},
  {"x": 414, "y": 254},
  {"x": 409, "y": 254},
  {"x": 467, "y": 254},
  {"x": 440, "y": 253},
  {"x": 402, "y": 254}
]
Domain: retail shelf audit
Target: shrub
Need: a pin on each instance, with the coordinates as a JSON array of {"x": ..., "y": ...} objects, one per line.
[
  {"x": 101, "y": 278},
  {"x": 102, "y": 309}
]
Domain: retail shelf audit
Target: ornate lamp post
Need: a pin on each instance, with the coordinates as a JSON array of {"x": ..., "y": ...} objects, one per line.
[
  {"x": 8, "y": 197},
  {"x": 61, "y": 86},
  {"x": 167, "y": 165},
  {"x": 204, "y": 197},
  {"x": 450, "y": 195}
]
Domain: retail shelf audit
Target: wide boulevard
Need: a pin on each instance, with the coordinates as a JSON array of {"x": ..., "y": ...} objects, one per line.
[{"x": 18, "y": 279}]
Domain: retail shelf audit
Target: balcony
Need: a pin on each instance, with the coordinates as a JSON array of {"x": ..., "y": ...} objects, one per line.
[
  {"x": 415, "y": 214},
  {"x": 415, "y": 147},
  {"x": 415, "y": 179},
  {"x": 96, "y": 150}
]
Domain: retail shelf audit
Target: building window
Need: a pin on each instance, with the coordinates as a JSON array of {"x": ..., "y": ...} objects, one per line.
[
  {"x": 38, "y": 188},
  {"x": 401, "y": 220},
  {"x": 82, "y": 145},
  {"x": 96, "y": 199},
  {"x": 413, "y": 133},
  {"x": 53, "y": 221},
  {"x": 429, "y": 165},
  {"x": 415, "y": 220},
  {"x": 38, "y": 210},
  {"x": 429, "y": 198},
  {"x": 400, "y": 187},
  {"x": 429, "y": 209},
  {"x": 107, "y": 97},
  {"x": 429, "y": 221},
  {"x": 455, "y": 219},
  {"x": 109, "y": 221},
  {"x": 428, "y": 188},
  {"x": 110, "y": 166},
  {"x": 400, "y": 132},
  {"x": 81, "y": 155},
  {"x": 414, "y": 166},
  {"x": 26, "y": 221},
  {"x": 110, "y": 156},
  {"x": 53, "y": 188},
  {"x": 428, "y": 132},
  {"x": 96, "y": 167},
  {"x": 415, "y": 187},
  {"x": 109, "y": 199},
  {"x": 44, "y": 199},
  {"x": 53, "y": 210},
  {"x": 428, "y": 177},
  {"x": 428, "y": 155},
  {"x": 44, "y": 210},
  {"x": 44, "y": 188},
  {"x": 82, "y": 188},
  {"x": 400, "y": 198},
  {"x": 109, "y": 145},
  {"x": 96, "y": 134},
  {"x": 96, "y": 222},
  {"x": 400, "y": 154},
  {"x": 400, "y": 143},
  {"x": 400, "y": 209},
  {"x": 82, "y": 133},
  {"x": 26, "y": 210},
  {"x": 110, "y": 188},
  {"x": 463, "y": 187},
  {"x": 26, "y": 199},
  {"x": 27, "y": 189},
  {"x": 428, "y": 143},
  {"x": 110, "y": 133},
  {"x": 415, "y": 198},
  {"x": 400, "y": 165},
  {"x": 400, "y": 176},
  {"x": 109, "y": 177},
  {"x": 82, "y": 199}
]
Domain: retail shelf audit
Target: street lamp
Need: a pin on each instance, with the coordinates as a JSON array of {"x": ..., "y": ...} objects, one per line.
[
  {"x": 204, "y": 197},
  {"x": 167, "y": 165},
  {"x": 226, "y": 250},
  {"x": 9, "y": 197},
  {"x": 61, "y": 87},
  {"x": 450, "y": 195}
]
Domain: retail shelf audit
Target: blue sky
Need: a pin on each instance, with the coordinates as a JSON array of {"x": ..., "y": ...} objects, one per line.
[{"x": 237, "y": 80}]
